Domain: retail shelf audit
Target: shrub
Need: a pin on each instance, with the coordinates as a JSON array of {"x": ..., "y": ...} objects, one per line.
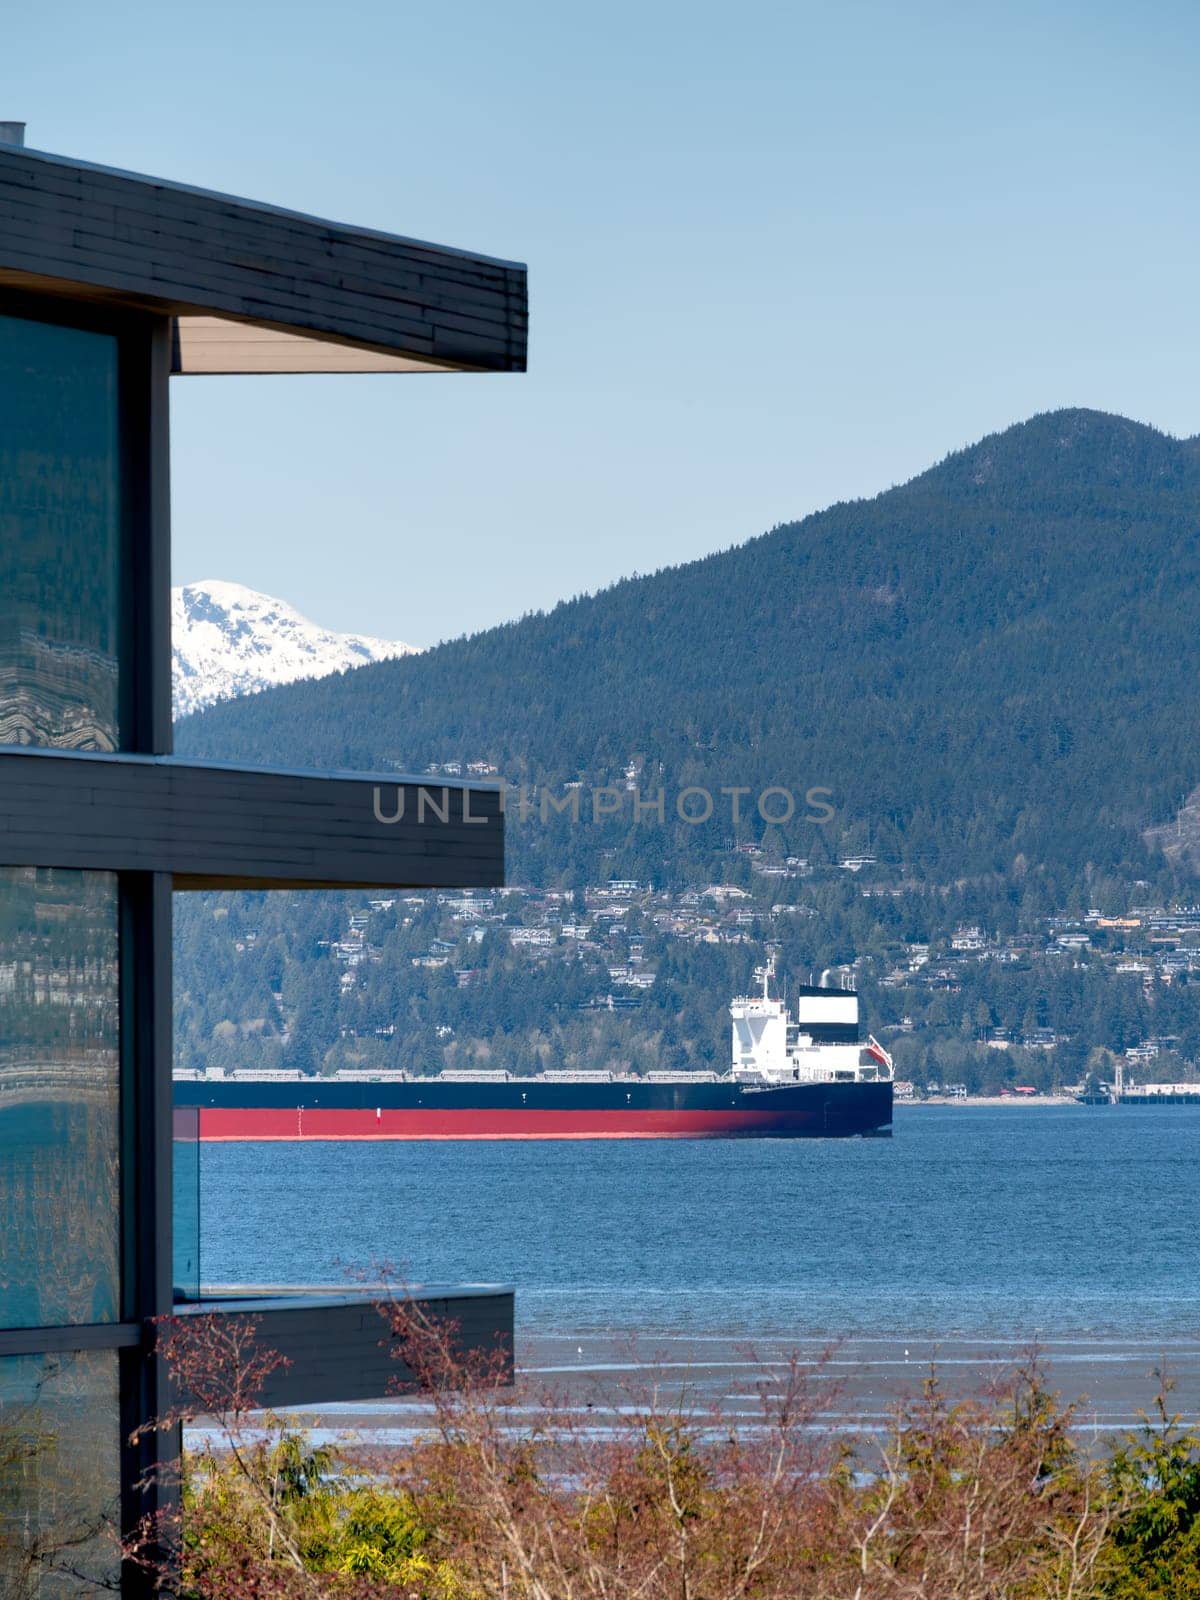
[{"x": 986, "y": 1499}]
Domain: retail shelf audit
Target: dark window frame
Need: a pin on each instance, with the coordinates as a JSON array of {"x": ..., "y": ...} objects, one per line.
[
  {"x": 144, "y": 898},
  {"x": 358, "y": 850}
]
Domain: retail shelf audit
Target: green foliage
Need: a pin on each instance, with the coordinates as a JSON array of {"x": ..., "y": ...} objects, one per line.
[
  {"x": 1155, "y": 1477},
  {"x": 285, "y": 1507},
  {"x": 382, "y": 1534}
]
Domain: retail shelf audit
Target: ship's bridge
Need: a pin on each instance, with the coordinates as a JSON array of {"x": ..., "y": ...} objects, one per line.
[
  {"x": 821, "y": 1045},
  {"x": 760, "y": 1034}
]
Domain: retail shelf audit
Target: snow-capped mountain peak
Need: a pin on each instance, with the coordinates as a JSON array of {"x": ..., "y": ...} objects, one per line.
[{"x": 228, "y": 640}]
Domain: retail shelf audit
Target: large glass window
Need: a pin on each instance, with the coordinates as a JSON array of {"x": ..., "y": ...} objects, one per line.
[
  {"x": 60, "y": 1439},
  {"x": 60, "y": 526},
  {"x": 59, "y": 1098},
  {"x": 185, "y": 1169}
]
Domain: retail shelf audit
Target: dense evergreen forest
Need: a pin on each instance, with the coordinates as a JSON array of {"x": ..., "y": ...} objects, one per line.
[{"x": 987, "y": 675}]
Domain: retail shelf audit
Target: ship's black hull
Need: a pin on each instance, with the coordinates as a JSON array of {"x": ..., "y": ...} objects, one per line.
[{"x": 528, "y": 1108}]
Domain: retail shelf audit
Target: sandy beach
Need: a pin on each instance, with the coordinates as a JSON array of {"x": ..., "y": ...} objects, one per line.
[
  {"x": 858, "y": 1382},
  {"x": 861, "y": 1379}
]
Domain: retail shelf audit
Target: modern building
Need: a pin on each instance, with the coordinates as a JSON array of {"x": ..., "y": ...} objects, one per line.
[{"x": 112, "y": 284}]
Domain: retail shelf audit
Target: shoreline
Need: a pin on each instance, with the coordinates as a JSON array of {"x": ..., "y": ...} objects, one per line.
[
  {"x": 989, "y": 1100},
  {"x": 862, "y": 1377},
  {"x": 597, "y": 1379}
]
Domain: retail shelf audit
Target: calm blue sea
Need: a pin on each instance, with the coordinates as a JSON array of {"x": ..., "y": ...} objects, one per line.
[{"x": 1012, "y": 1222}]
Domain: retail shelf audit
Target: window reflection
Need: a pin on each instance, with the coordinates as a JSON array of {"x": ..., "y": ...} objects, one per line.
[
  {"x": 185, "y": 1168},
  {"x": 59, "y": 1098},
  {"x": 59, "y": 536},
  {"x": 59, "y": 1475}
]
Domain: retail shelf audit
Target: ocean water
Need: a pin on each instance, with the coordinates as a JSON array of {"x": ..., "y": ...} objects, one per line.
[{"x": 972, "y": 1222}]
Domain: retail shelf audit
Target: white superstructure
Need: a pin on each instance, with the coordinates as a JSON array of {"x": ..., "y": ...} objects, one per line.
[{"x": 820, "y": 1044}]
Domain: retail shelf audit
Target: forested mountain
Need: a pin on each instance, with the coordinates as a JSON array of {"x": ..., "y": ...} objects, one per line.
[
  {"x": 981, "y": 689},
  {"x": 991, "y": 669}
]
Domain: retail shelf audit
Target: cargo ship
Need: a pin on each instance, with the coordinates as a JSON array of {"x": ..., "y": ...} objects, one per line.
[{"x": 802, "y": 1075}]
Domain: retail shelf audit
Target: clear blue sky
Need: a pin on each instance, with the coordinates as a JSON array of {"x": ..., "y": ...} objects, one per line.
[{"x": 779, "y": 255}]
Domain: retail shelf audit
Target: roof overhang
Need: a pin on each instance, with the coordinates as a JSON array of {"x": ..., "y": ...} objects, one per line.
[
  {"x": 255, "y": 288},
  {"x": 214, "y": 826}
]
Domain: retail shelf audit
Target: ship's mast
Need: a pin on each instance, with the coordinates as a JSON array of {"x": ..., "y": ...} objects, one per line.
[{"x": 768, "y": 972}]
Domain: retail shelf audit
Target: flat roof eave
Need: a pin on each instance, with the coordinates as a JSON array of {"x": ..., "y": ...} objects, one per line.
[{"x": 255, "y": 288}]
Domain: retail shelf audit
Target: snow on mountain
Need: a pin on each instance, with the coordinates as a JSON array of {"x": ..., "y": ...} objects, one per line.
[{"x": 228, "y": 640}]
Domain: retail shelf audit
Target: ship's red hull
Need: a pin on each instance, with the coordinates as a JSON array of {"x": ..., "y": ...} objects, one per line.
[
  {"x": 224, "y": 1124},
  {"x": 613, "y": 1107}
]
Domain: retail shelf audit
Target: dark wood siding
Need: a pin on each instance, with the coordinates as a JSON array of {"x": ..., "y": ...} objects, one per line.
[
  {"x": 228, "y": 827},
  {"x": 169, "y": 248},
  {"x": 340, "y": 1347}
]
